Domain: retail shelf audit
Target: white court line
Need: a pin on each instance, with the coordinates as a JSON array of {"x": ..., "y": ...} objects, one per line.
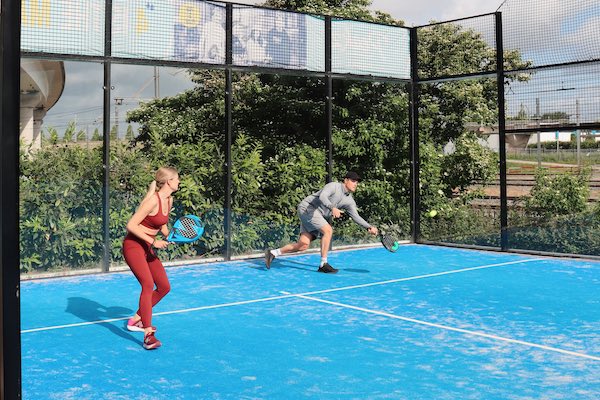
[
  {"x": 450, "y": 328},
  {"x": 237, "y": 303}
]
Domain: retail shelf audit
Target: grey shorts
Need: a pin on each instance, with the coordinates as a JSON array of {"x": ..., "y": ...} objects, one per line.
[{"x": 311, "y": 220}]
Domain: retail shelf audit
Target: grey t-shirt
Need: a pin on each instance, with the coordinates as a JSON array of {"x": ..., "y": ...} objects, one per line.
[{"x": 334, "y": 195}]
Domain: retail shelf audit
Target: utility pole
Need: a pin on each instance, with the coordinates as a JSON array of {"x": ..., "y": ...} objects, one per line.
[
  {"x": 578, "y": 133},
  {"x": 118, "y": 102},
  {"x": 156, "y": 83},
  {"x": 539, "y": 143}
]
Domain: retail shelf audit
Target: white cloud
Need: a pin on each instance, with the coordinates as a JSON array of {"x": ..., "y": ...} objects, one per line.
[
  {"x": 421, "y": 12},
  {"x": 415, "y": 13},
  {"x": 554, "y": 31}
]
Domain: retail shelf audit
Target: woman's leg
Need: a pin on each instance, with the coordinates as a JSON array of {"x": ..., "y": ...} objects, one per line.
[
  {"x": 159, "y": 276},
  {"x": 135, "y": 257}
]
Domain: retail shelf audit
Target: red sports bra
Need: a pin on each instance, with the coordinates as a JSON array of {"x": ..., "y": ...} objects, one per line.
[{"x": 158, "y": 220}]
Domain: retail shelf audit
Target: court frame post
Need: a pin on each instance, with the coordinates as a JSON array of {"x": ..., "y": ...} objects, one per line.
[
  {"x": 228, "y": 129},
  {"x": 107, "y": 90},
  {"x": 328, "y": 101},
  {"x": 501, "y": 132},
  {"x": 413, "y": 128},
  {"x": 10, "y": 318}
]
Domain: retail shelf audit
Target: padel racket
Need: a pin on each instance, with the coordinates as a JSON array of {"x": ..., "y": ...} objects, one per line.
[
  {"x": 186, "y": 229},
  {"x": 390, "y": 243}
]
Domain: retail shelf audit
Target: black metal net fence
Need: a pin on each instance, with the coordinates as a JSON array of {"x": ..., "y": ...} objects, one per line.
[
  {"x": 528, "y": 128},
  {"x": 457, "y": 127}
]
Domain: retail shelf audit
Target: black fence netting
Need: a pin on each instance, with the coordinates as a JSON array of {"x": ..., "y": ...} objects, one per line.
[
  {"x": 364, "y": 48},
  {"x": 195, "y": 32},
  {"x": 552, "y": 31},
  {"x": 169, "y": 30},
  {"x": 461, "y": 47},
  {"x": 566, "y": 97}
]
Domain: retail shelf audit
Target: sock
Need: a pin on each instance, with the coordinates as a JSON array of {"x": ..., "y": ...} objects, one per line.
[
  {"x": 323, "y": 261},
  {"x": 276, "y": 252}
]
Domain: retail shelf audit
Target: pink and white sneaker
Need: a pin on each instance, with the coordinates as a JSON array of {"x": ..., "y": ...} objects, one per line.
[
  {"x": 134, "y": 326},
  {"x": 151, "y": 342}
]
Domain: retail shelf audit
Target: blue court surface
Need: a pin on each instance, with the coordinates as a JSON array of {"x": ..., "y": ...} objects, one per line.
[{"x": 424, "y": 323}]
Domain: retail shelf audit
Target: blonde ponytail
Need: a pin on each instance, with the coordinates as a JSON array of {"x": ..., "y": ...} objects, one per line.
[
  {"x": 163, "y": 174},
  {"x": 151, "y": 189}
]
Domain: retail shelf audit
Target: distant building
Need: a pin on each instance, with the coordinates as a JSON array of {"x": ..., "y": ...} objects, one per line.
[{"x": 489, "y": 135}]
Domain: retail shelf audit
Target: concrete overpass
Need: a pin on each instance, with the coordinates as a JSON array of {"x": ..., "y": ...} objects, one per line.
[{"x": 42, "y": 84}]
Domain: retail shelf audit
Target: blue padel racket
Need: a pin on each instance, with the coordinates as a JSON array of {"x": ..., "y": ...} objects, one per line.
[
  {"x": 186, "y": 229},
  {"x": 389, "y": 242}
]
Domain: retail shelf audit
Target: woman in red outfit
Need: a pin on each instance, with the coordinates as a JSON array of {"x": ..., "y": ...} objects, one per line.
[{"x": 150, "y": 218}]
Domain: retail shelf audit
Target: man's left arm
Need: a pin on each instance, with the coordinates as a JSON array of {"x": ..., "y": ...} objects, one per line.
[{"x": 353, "y": 213}]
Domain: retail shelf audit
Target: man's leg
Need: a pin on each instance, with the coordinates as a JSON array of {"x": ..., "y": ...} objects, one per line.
[
  {"x": 302, "y": 244},
  {"x": 327, "y": 232}
]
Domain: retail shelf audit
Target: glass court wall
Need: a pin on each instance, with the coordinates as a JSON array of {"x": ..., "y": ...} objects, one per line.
[
  {"x": 370, "y": 130},
  {"x": 186, "y": 137},
  {"x": 278, "y": 157},
  {"x": 552, "y": 120},
  {"x": 278, "y": 152},
  {"x": 61, "y": 166},
  {"x": 371, "y": 137},
  {"x": 235, "y": 97},
  {"x": 459, "y": 174}
]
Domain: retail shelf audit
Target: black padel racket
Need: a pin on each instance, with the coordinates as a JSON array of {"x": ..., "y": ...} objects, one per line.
[{"x": 389, "y": 242}]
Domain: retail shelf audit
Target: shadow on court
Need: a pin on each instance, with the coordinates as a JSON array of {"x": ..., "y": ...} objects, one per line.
[
  {"x": 91, "y": 311},
  {"x": 282, "y": 263},
  {"x": 290, "y": 263}
]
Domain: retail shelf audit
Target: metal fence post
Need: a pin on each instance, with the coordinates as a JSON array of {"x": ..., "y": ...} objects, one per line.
[
  {"x": 501, "y": 132},
  {"x": 10, "y": 319}
]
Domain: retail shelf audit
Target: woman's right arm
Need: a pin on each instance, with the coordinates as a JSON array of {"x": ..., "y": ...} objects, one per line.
[{"x": 134, "y": 224}]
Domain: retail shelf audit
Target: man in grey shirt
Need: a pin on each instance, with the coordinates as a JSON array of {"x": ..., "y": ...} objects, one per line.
[{"x": 314, "y": 211}]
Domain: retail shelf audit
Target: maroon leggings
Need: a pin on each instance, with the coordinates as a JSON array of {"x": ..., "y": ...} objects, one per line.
[{"x": 149, "y": 271}]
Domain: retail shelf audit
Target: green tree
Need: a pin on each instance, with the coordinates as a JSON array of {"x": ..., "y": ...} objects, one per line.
[
  {"x": 555, "y": 115},
  {"x": 52, "y": 135},
  {"x": 129, "y": 135},
  {"x": 113, "y": 134},
  {"x": 470, "y": 162},
  {"x": 70, "y": 132},
  {"x": 60, "y": 208},
  {"x": 553, "y": 196},
  {"x": 81, "y": 135},
  {"x": 96, "y": 136},
  {"x": 354, "y": 9}
]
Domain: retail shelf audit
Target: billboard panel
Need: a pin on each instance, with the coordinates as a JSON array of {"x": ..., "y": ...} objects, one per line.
[
  {"x": 63, "y": 26},
  {"x": 278, "y": 39},
  {"x": 175, "y": 30},
  {"x": 364, "y": 48}
]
